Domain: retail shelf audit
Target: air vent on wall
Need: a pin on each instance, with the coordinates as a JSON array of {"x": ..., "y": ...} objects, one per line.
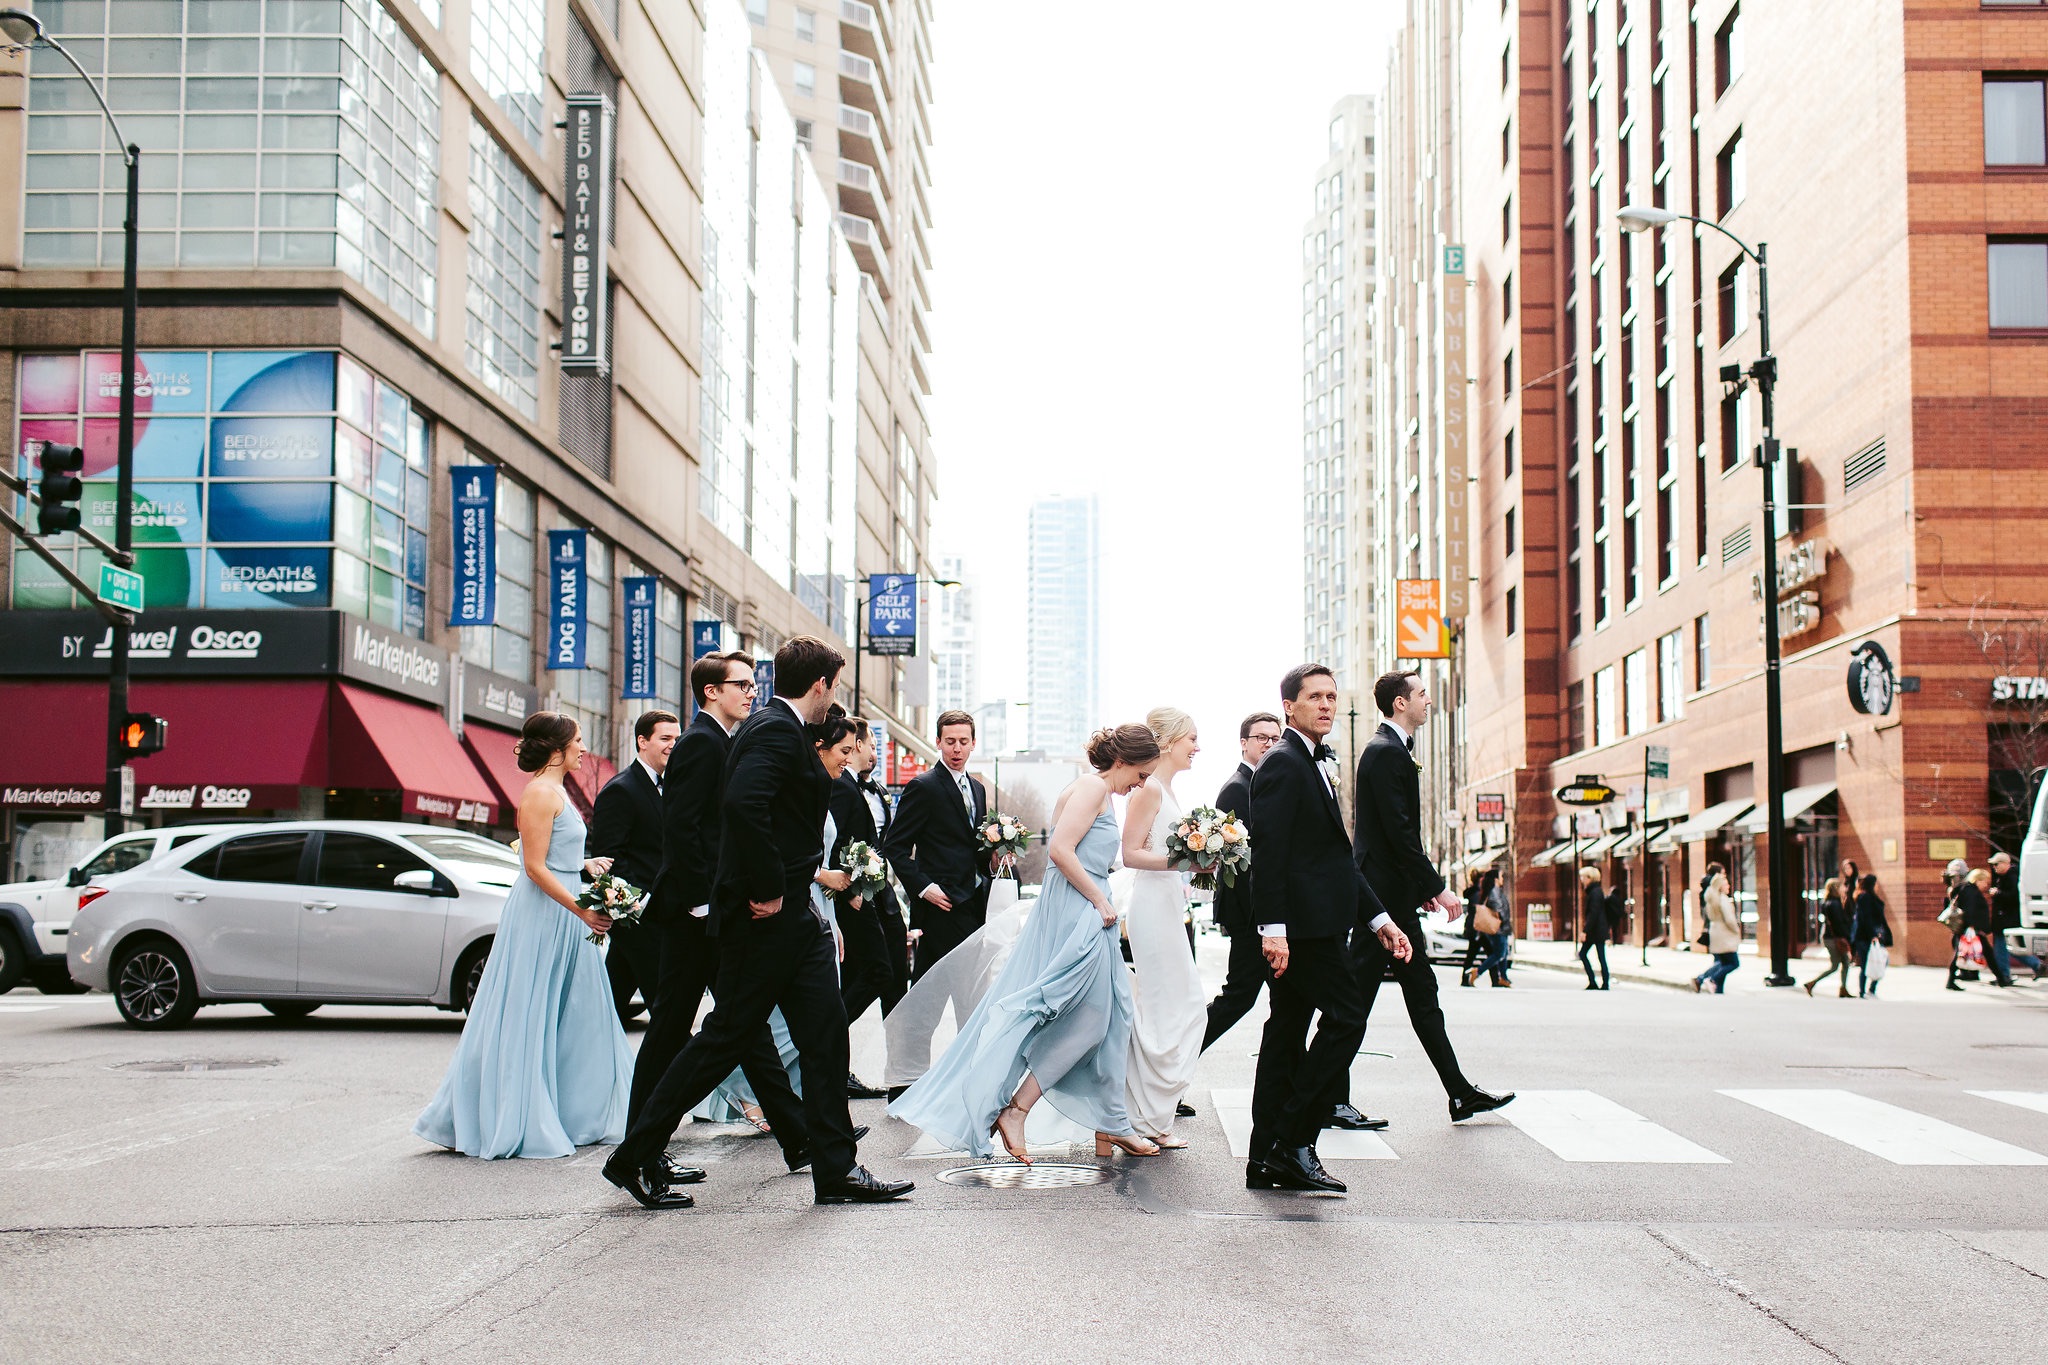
[
  {"x": 1735, "y": 544},
  {"x": 1865, "y": 465}
]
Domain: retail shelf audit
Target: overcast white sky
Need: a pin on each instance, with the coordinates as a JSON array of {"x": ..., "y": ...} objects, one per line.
[{"x": 1119, "y": 192}]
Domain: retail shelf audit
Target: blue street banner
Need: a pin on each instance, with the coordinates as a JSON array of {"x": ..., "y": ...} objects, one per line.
[
  {"x": 764, "y": 682},
  {"x": 475, "y": 600},
  {"x": 707, "y": 637},
  {"x": 639, "y": 643},
  {"x": 892, "y": 613},
  {"x": 566, "y": 590}
]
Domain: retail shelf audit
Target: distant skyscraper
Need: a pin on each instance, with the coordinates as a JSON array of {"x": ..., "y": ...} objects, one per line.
[
  {"x": 956, "y": 682},
  {"x": 1064, "y": 624}
]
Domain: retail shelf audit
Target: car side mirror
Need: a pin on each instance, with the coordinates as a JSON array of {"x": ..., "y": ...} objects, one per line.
[
  {"x": 425, "y": 881},
  {"x": 76, "y": 877}
]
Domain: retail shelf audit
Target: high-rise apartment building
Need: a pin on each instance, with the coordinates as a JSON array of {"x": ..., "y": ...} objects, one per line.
[
  {"x": 955, "y": 647},
  {"x": 1337, "y": 264},
  {"x": 1063, "y": 624},
  {"x": 1618, "y": 527},
  {"x": 380, "y": 518},
  {"x": 857, "y": 76}
]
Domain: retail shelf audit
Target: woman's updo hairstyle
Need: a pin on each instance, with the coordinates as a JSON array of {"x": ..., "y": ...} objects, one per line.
[
  {"x": 1132, "y": 744},
  {"x": 545, "y": 734},
  {"x": 1169, "y": 724},
  {"x": 836, "y": 726}
]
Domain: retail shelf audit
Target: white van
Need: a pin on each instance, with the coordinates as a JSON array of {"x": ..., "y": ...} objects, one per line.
[{"x": 2032, "y": 935}]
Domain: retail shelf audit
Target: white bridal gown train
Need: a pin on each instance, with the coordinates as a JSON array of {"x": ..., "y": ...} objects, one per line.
[{"x": 1172, "y": 1012}]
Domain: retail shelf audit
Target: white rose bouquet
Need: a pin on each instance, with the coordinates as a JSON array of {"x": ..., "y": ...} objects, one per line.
[
  {"x": 615, "y": 896},
  {"x": 1212, "y": 844},
  {"x": 862, "y": 863},
  {"x": 1006, "y": 837}
]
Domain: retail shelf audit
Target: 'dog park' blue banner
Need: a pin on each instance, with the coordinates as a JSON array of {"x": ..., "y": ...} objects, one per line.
[
  {"x": 639, "y": 643},
  {"x": 566, "y": 590},
  {"x": 475, "y": 601}
]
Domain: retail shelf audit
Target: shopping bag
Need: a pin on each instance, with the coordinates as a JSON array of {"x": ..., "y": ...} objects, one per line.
[
  {"x": 1970, "y": 952},
  {"x": 1876, "y": 959}
]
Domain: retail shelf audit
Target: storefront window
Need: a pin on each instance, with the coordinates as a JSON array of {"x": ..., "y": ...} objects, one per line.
[{"x": 262, "y": 480}]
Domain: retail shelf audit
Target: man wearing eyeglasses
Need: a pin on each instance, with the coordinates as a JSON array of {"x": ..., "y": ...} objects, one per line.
[{"x": 692, "y": 796}]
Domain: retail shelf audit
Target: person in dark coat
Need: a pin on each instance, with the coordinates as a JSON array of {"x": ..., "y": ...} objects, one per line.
[
  {"x": 1867, "y": 925},
  {"x": 625, "y": 826},
  {"x": 1594, "y": 928},
  {"x": 1973, "y": 895},
  {"x": 2005, "y": 914},
  {"x": 1834, "y": 931}
]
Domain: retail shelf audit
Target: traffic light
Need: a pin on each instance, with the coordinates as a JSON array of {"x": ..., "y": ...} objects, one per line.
[
  {"x": 143, "y": 734},
  {"x": 59, "y": 489}
]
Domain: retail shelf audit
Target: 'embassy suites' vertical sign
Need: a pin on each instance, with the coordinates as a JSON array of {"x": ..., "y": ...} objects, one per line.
[{"x": 586, "y": 226}]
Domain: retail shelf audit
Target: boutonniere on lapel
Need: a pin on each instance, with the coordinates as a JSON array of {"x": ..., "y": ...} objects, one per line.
[
  {"x": 1332, "y": 772},
  {"x": 1416, "y": 761}
]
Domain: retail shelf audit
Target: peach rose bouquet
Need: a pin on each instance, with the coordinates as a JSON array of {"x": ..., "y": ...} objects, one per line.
[{"x": 1214, "y": 845}]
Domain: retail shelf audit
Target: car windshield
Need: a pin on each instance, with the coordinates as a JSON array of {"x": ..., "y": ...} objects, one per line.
[{"x": 484, "y": 859}]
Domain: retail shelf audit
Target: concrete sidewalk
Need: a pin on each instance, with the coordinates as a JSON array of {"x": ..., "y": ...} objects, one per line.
[{"x": 1675, "y": 968}]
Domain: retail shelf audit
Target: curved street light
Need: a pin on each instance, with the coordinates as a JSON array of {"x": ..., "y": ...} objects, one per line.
[
  {"x": 1764, "y": 372},
  {"x": 25, "y": 30}
]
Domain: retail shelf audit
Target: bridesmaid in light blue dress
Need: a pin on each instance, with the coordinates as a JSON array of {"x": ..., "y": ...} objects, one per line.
[
  {"x": 1056, "y": 1023},
  {"x": 542, "y": 1067}
]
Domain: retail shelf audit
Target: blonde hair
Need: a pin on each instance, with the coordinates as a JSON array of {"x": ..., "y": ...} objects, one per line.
[
  {"x": 1980, "y": 878},
  {"x": 1169, "y": 724},
  {"x": 1588, "y": 875}
]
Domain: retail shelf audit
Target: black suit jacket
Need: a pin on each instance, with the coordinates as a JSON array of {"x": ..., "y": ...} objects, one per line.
[
  {"x": 931, "y": 840},
  {"x": 774, "y": 826},
  {"x": 1233, "y": 910},
  {"x": 692, "y": 793},
  {"x": 625, "y": 826},
  {"x": 1388, "y": 840},
  {"x": 1307, "y": 881}
]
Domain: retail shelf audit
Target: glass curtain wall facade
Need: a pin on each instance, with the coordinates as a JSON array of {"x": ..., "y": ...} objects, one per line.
[{"x": 1063, "y": 624}]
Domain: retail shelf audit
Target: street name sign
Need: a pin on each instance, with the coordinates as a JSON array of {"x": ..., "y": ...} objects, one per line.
[{"x": 120, "y": 587}]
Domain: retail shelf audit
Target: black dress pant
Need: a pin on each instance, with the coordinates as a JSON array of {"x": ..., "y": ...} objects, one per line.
[
  {"x": 1418, "y": 989},
  {"x": 633, "y": 962},
  {"x": 864, "y": 974},
  {"x": 941, "y": 931},
  {"x": 896, "y": 936},
  {"x": 787, "y": 961},
  {"x": 1296, "y": 1084},
  {"x": 1241, "y": 982},
  {"x": 689, "y": 958}
]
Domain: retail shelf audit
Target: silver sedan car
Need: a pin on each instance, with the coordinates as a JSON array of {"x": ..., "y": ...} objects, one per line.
[{"x": 295, "y": 915}]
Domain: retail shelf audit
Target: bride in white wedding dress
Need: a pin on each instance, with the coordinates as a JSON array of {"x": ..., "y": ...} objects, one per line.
[{"x": 1166, "y": 1037}]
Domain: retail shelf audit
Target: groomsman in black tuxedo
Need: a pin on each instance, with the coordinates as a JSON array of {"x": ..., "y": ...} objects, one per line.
[
  {"x": 1233, "y": 907},
  {"x": 774, "y": 950},
  {"x": 1389, "y": 854},
  {"x": 625, "y": 826},
  {"x": 936, "y": 848},
  {"x": 692, "y": 793},
  {"x": 888, "y": 908},
  {"x": 1308, "y": 897},
  {"x": 865, "y": 975}
]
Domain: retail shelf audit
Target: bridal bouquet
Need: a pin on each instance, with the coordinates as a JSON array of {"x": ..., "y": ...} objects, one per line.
[
  {"x": 1006, "y": 837},
  {"x": 865, "y": 866},
  {"x": 614, "y": 896},
  {"x": 1211, "y": 844}
]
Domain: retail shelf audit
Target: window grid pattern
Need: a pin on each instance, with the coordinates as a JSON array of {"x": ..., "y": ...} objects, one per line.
[
  {"x": 308, "y": 138},
  {"x": 501, "y": 344},
  {"x": 507, "y": 41}
]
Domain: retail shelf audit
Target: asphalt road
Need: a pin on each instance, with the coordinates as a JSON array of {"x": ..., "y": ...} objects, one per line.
[{"x": 272, "y": 1206}]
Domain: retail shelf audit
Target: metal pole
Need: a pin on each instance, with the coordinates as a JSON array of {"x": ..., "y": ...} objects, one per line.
[
  {"x": 124, "y": 487},
  {"x": 1643, "y": 858},
  {"x": 860, "y": 616},
  {"x": 1766, "y": 371}
]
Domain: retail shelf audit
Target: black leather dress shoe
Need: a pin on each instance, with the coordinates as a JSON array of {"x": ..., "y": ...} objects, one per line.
[
  {"x": 802, "y": 1156},
  {"x": 857, "y": 1186},
  {"x": 1184, "y": 1110},
  {"x": 1299, "y": 1168},
  {"x": 678, "y": 1174},
  {"x": 646, "y": 1188},
  {"x": 858, "y": 1089},
  {"x": 1257, "y": 1177},
  {"x": 1476, "y": 1101},
  {"x": 1350, "y": 1120},
  {"x": 896, "y": 1092}
]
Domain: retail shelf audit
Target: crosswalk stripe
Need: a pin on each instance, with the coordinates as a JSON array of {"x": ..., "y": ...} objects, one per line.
[
  {"x": 1900, "y": 1136},
  {"x": 1234, "y": 1112},
  {"x": 1579, "y": 1125},
  {"x": 2036, "y": 1100},
  {"x": 11, "y": 1008}
]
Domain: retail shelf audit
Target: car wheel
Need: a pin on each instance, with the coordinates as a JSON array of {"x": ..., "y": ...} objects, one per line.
[
  {"x": 469, "y": 974},
  {"x": 13, "y": 961},
  {"x": 153, "y": 985},
  {"x": 292, "y": 1009}
]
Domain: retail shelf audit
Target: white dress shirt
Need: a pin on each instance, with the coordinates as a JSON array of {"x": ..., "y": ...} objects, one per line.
[
  {"x": 652, "y": 776},
  {"x": 1280, "y": 930}
]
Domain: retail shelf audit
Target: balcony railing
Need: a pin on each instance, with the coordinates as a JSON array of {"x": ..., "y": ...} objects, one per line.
[
  {"x": 862, "y": 191},
  {"x": 868, "y": 249},
  {"x": 864, "y": 29}
]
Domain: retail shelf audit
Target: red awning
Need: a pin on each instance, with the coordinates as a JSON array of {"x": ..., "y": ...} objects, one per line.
[
  {"x": 232, "y": 745},
  {"x": 385, "y": 742},
  {"x": 497, "y": 753}
]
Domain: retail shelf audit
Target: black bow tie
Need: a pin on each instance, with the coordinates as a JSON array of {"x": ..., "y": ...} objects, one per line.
[{"x": 1324, "y": 751}]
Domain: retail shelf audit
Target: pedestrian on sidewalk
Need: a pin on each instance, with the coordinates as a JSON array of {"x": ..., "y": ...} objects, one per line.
[
  {"x": 1593, "y": 927},
  {"x": 1867, "y": 926},
  {"x": 1501, "y": 942},
  {"x": 2005, "y": 914},
  {"x": 1974, "y": 896},
  {"x": 1834, "y": 929},
  {"x": 1724, "y": 933}
]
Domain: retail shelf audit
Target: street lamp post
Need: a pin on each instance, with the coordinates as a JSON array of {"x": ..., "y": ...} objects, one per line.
[
  {"x": 1764, "y": 372},
  {"x": 25, "y": 30}
]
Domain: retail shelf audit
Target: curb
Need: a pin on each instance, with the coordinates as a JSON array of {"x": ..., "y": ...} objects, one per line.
[{"x": 1637, "y": 977}]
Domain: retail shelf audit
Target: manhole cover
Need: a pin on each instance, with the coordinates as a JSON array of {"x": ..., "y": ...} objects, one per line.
[
  {"x": 190, "y": 1064},
  {"x": 1012, "y": 1175}
]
